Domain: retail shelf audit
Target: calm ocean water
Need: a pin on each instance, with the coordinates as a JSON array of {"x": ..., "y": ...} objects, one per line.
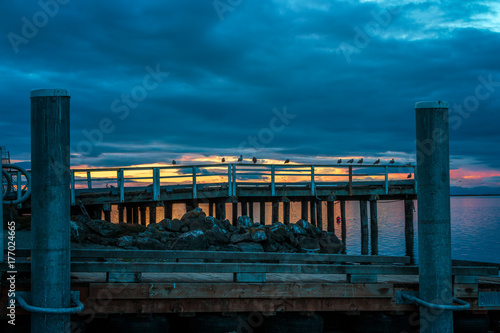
[{"x": 475, "y": 224}]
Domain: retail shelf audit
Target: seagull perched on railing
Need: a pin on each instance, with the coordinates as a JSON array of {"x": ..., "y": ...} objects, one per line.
[
  {"x": 409, "y": 176},
  {"x": 377, "y": 161},
  {"x": 240, "y": 158},
  {"x": 391, "y": 161},
  {"x": 350, "y": 161},
  {"x": 174, "y": 162},
  {"x": 360, "y": 161},
  {"x": 254, "y": 160},
  {"x": 287, "y": 161},
  {"x": 339, "y": 161},
  {"x": 223, "y": 160}
]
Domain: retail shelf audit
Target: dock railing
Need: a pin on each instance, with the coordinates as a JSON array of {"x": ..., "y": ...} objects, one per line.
[{"x": 234, "y": 176}]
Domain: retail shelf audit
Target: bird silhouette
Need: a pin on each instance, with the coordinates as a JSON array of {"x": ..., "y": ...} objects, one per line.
[
  {"x": 409, "y": 176},
  {"x": 254, "y": 160},
  {"x": 174, "y": 162},
  {"x": 360, "y": 161},
  {"x": 339, "y": 161},
  {"x": 287, "y": 161},
  {"x": 240, "y": 158},
  {"x": 408, "y": 164},
  {"x": 223, "y": 160},
  {"x": 391, "y": 161},
  {"x": 350, "y": 161},
  {"x": 377, "y": 161}
]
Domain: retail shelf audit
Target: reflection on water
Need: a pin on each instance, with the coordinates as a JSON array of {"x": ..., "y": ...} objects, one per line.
[{"x": 475, "y": 226}]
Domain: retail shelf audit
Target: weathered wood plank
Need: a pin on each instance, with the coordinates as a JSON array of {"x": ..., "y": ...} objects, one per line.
[{"x": 238, "y": 290}]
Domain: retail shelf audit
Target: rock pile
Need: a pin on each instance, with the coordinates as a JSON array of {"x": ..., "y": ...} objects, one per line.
[{"x": 196, "y": 231}]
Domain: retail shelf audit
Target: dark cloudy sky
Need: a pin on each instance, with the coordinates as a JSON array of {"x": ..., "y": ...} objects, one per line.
[{"x": 306, "y": 80}]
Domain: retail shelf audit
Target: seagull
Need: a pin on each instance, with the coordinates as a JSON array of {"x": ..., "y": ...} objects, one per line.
[
  {"x": 408, "y": 164},
  {"x": 377, "y": 161},
  {"x": 339, "y": 161},
  {"x": 360, "y": 161},
  {"x": 174, "y": 162},
  {"x": 223, "y": 160},
  {"x": 287, "y": 161},
  {"x": 391, "y": 161},
  {"x": 409, "y": 176},
  {"x": 350, "y": 161},
  {"x": 254, "y": 160},
  {"x": 240, "y": 158}
]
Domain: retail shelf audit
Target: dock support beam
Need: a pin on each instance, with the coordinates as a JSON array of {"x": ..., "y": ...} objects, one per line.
[
  {"x": 304, "y": 210},
  {"x": 330, "y": 214},
  {"x": 343, "y": 226},
  {"x": 434, "y": 231},
  {"x": 143, "y": 215},
  {"x": 107, "y": 212},
  {"x": 235, "y": 212},
  {"x": 319, "y": 215},
  {"x": 211, "y": 208},
  {"x": 276, "y": 212},
  {"x": 262, "y": 212},
  {"x": 129, "y": 214},
  {"x": 409, "y": 230},
  {"x": 120, "y": 213},
  {"x": 374, "y": 226},
  {"x": 135, "y": 214},
  {"x": 286, "y": 211},
  {"x": 152, "y": 213},
  {"x": 50, "y": 204},
  {"x": 313, "y": 212},
  {"x": 220, "y": 210},
  {"x": 250, "y": 210},
  {"x": 244, "y": 206},
  {"x": 167, "y": 210},
  {"x": 363, "y": 210}
]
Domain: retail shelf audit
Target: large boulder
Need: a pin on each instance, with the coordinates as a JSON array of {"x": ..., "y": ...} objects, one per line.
[
  {"x": 329, "y": 243},
  {"x": 126, "y": 242},
  {"x": 279, "y": 233},
  {"x": 245, "y": 221},
  {"x": 192, "y": 240},
  {"x": 104, "y": 228},
  {"x": 297, "y": 230},
  {"x": 236, "y": 238},
  {"x": 258, "y": 235},
  {"x": 148, "y": 243},
  {"x": 79, "y": 230},
  {"x": 171, "y": 225},
  {"x": 217, "y": 236}
]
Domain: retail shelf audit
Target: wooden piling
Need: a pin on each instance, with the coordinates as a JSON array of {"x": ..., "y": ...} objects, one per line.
[
  {"x": 135, "y": 214},
  {"x": 107, "y": 216},
  {"x": 244, "y": 210},
  {"x": 129, "y": 212},
  {"x": 220, "y": 209},
  {"x": 343, "y": 226},
  {"x": 210, "y": 208},
  {"x": 409, "y": 230},
  {"x": 276, "y": 213},
  {"x": 152, "y": 213},
  {"x": 363, "y": 210},
  {"x": 120, "y": 213},
  {"x": 319, "y": 214},
  {"x": 143, "y": 214},
  {"x": 262, "y": 212},
  {"x": 286, "y": 211},
  {"x": 374, "y": 227},
  {"x": 313, "y": 211},
  {"x": 250, "y": 209},
  {"x": 235, "y": 212},
  {"x": 304, "y": 207},
  {"x": 168, "y": 209},
  {"x": 330, "y": 213}
]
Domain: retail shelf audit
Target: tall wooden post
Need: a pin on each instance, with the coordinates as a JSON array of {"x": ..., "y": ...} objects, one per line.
[
  {"x": 129, "y": 212},
  {"x": 250, "y": 209},
  {"x": 363, "y": 210},
  {"x": 286, "y": 211},
  {"x": 143, "y": 215},
  {"x": 121, "y": 209},
  {"x": 276, "y": 212},
  {"x": 211, "y": 208},
  {"x": 434, "y": 231},
  {"x": 235, "y": 212},
  {"x": 244, "y": 205},
  {"x": 135, "y": 214}
]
